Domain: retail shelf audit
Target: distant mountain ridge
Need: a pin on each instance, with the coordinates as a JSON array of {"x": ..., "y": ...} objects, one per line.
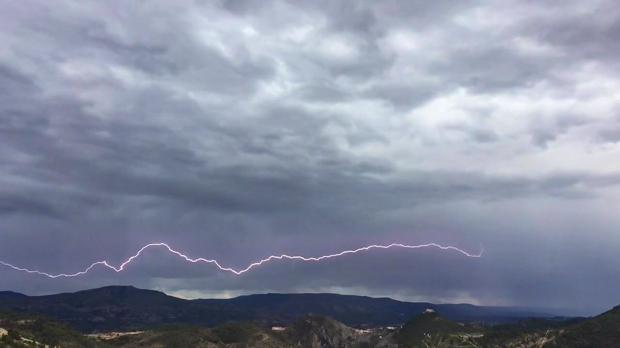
[{"x": 129, "y": 308}]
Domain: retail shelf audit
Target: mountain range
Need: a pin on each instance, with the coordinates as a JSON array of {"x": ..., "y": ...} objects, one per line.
[{"x": 123, "y": 308}]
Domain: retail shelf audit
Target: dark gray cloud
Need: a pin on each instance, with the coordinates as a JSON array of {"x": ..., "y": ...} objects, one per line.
[{"x": 238, "y": 129}]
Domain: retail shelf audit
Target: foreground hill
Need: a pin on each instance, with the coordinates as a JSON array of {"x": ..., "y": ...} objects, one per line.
[
  {"x": 431, "y": 329},
  {"x": 600, "y": 331},
  {"x": 125, "y": 308},
  {"x": 427, "y": 329},
  {"x": 308, "y": 332},
  {"x": 18, "y": 330}
]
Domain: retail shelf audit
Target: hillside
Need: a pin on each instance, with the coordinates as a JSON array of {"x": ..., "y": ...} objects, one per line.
[
  {"x": 600, "y": 331},
  {"x": 308, "y": 332},
  {"x": 427, "y": 329},
  {"x": 127, "y": 308},
  {"x": 18, "y": 330},
  {"x": 431, "y": 329}
]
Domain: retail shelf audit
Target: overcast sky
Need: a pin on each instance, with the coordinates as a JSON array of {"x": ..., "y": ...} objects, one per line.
[{"x": 238, "y": 129}]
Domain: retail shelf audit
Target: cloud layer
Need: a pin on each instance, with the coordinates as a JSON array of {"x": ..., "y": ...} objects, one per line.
[{"x": 238, "y": 129}]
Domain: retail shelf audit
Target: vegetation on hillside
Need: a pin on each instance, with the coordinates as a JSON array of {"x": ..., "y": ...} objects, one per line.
[
  {"x": 427, "y": 329},
  {"x": 36, "y": 331}
]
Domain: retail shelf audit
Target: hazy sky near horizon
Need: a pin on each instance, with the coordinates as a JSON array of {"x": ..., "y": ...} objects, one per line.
[{"x": 239, "y": 129}]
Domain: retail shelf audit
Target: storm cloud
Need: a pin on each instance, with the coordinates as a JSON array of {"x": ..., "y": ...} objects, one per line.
[{"x": 239, "y": 129}]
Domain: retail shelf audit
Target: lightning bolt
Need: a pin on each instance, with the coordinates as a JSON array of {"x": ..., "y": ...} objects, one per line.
[{"x": 121, "y": 267}]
